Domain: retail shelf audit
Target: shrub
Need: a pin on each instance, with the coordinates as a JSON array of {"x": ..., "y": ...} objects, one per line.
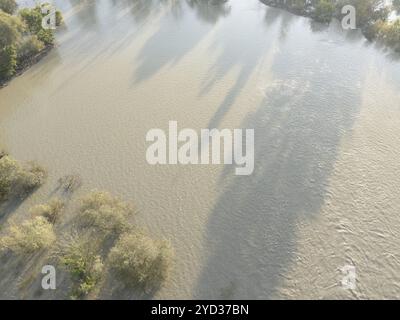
[
  {"x": 30, "y": 178},
  {"x": 29, "y": 46},
  {"x": 390, "y": 34},
  {"x": 8, "y": 172},
  {"x": 104, "y": 213},
  {"x": 49, "y": 211},
  {"x": 78, "y": 256},
  {"x": 46, "y": 36},
  {"x": 298, "y": 5},
  {"x": 324, "y": 11},
  {"x": 8, "y": 62},
  {"x": 137, "y": 260},
  {"x": 371, "y": 31},
  {"x": 387, "y": 32},
  {"x": 70, "y": 183},
  {"x": 30, "y": 236},
  {"x": 59, "y": 18},
  {"x": 17, "y": 179},
  {"x": 8, "y": 6},
  {"x": 32, "y": 18}
]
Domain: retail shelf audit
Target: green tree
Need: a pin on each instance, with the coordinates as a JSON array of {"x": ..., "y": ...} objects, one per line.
[
  {"x": 32, "y": 18},
  {"x": 10, "y": 35},
  {"x": 324, "y": 11},
  {"x": 8, "y": 62},
  {"x": 10, "y": 30}
]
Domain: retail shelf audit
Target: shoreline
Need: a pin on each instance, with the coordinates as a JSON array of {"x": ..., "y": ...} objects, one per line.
[
  {"x": 303, "y": 12},
  {"x": 287, "y": 8},
  {"x": 26, "y": 64}
]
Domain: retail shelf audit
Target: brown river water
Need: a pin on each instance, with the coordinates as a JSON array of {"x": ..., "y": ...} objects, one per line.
[{"x": 324, "y": 103}]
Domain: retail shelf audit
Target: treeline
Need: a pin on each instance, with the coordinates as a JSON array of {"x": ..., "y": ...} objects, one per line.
[
  {"x": 372, "y": 16},
  {"x": 22, "y": 36}
]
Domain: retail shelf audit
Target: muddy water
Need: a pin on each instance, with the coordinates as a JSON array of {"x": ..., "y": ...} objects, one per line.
[{"x": 325, "y": 108}]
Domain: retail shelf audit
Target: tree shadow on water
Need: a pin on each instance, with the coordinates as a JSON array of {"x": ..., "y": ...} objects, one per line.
[
  {"x": 178, "y": 34},
  {"x": 244, "y": 53},
  {"x": 251, "y": 232}
]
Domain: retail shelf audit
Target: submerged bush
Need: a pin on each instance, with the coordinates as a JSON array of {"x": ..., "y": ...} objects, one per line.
[
  {"x": 79, "y": 257},
  {"x": 49, "y": 211},
  {"x": 106, "y": 214},
  {"x": 389, "y": 33},
  {"x": 70, "y": 183},
  {"x": 9, "y": 169},
  {"x": 30, "y": 236},
  {"x": 140, "y": 261},
  {"x": 19, "y": 180},
  {"x": 29, "y": 178}
]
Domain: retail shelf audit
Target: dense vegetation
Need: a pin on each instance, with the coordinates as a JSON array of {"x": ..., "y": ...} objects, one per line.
[
  {"x": 101, "y": 242},
  {"x": 50, "y": 211},
  {"x": 371, "y": 16},
  {"x": 17, "y": 180},
  {"x": 139, "y": 261},
  {"x": 22, "y": 36},
  {"x": 30, "y": 236}
]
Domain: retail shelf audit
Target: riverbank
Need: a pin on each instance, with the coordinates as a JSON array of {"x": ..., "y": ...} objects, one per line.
[
  {"x": 25, "y": 39},
  {"x": 372, "y": 18},
  {"x": 26, "y": 64}
]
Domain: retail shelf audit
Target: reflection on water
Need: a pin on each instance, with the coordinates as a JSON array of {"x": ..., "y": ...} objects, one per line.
[{"x": 122, "y": 67}]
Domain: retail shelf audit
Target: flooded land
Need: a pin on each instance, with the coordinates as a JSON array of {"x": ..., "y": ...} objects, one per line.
[{"x": 324, "y": 104}]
